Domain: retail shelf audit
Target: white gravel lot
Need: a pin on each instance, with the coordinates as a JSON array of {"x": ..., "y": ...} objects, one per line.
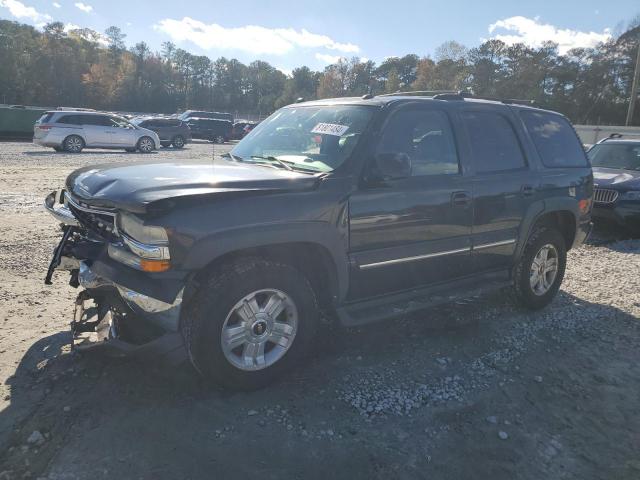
[{"x": 477, "y": 389}]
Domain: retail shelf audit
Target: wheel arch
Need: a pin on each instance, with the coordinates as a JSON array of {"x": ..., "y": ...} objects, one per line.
[
  {"x": 314, "y": 249},
  {"x": 557, "y": 213}
]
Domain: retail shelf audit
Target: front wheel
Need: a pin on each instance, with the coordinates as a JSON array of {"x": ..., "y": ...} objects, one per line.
[
  {"x": 146, "y": 145},
  {"x": 178, "y": 141},
  {"x": 541, "y": 268},
  {"x": 250, "y": 322}
]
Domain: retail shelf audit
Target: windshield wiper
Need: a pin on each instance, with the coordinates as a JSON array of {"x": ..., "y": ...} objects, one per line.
[
  {"x": 271, "y": 158},
  {"x": 232, "y": 157}
]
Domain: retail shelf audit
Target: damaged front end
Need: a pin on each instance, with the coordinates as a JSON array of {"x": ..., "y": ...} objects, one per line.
[{"x": 131, "y": 302}]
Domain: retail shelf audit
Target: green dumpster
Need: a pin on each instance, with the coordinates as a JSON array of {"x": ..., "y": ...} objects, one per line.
[{"x": 16, "y": 122}]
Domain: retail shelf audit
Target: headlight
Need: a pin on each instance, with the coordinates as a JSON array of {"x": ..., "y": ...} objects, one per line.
[
  {"x": 631, "y": 195},
  {"x": 135, "y": 228}
]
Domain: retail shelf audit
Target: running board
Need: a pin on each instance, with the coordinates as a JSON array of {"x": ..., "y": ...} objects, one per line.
[{"x": 382, "y": 308}]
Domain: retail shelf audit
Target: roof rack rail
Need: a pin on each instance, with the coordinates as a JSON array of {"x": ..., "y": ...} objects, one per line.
[{"x": 418, "y": 93}]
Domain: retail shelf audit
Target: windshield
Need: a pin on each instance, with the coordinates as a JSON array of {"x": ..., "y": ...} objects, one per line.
[
  {"x": 313, "y": 138},
  {"x": 625, "y": 156}
]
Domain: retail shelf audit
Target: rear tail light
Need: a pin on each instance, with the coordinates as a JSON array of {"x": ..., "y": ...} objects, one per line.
[{"x": 44, "y": 127}]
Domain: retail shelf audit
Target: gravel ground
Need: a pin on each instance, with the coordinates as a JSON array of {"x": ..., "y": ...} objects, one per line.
[{"x": 477, "y": 389}]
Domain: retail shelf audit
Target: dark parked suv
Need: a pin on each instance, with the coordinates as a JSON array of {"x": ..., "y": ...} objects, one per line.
[
  {"x": 172, "y": 131},
  {"x": 350, "y": 210},
  {"x": 217, "y": 131}
]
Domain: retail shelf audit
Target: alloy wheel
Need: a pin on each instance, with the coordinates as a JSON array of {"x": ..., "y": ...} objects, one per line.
[
  {"x": 544, "y": 269},
  {"x": 145, "y": 145},
  {"x": 73, "y": 144},
  {"x": 259, "y": 329}
]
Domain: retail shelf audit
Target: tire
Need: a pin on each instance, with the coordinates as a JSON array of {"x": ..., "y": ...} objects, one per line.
[
  {"x": 178, "y": 141},
  {"x": 146, "y": 145},
  {"x": 219, "y": 139},
  {"x": 73, "y": 144},
  {"x": 531, "y": 289},
  {"x": 213, "y": 310}
]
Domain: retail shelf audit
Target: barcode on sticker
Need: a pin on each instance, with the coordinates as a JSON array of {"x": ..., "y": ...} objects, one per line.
[{"x": 330, "y": 129}]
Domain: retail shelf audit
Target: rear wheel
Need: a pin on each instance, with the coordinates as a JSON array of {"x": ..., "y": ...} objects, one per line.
[
  {"x": 250, "y": 322},
  {"x": 73, "y": 144},
  {"x": 539, "y": 273},
  {"x": 146, "y": 145},
  {"x": 178, "y": 141},
  {"x": 218, "y": 139}
]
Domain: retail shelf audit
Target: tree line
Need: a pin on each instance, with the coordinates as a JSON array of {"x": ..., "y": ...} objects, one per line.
[{"x": 82, "y": 68}]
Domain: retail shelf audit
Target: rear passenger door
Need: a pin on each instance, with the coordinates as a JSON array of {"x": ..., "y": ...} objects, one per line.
[
  {"x": 95, "y": 130},
  {"x": 413, "y": 231},
  {"x": 504, "y": 185}
]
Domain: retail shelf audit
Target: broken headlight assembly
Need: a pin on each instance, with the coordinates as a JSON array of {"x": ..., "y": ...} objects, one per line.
[{"x": 147, "y": 246}]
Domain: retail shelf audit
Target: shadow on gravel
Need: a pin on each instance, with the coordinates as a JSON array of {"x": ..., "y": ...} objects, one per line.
[{"x": 115, "y": 419}]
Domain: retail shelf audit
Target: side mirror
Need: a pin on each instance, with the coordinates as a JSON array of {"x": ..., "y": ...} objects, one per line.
[{"x": 393, "y": 165}]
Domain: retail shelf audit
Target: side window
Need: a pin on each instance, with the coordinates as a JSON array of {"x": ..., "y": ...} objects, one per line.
[
  {"x": 494, "y": 144},
  {"x": 426, "y": 137},
  {"x": 117, "y": 122},
  {"x": 555, "y": 140},
  {"x": 69, "y": 120}
]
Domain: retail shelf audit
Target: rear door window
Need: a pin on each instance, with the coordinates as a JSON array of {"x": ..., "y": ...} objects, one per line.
[
  {"x": 555, "y": 140},
  {"x": 425, "y": 136},
  {"x": 494, "y": 144}
]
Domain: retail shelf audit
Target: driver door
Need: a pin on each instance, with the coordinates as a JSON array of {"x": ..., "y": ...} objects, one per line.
[
  {"x": 121, "y": 132},
  {"x": 413, "y": 231}
]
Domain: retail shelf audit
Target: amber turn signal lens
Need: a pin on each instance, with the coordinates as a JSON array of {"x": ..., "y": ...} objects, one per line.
[
  {"x": 154, "y": 265},
  {"x": 584, "y": 205}
]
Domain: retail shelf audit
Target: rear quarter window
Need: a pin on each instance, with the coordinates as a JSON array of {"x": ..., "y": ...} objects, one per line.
[
  {"x": 45, "y": 118},
  {"x": 555, "y": 140}
]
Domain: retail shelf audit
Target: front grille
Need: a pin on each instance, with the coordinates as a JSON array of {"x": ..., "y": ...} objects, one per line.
[
  {"x": 604, "y": 195},
  {"x": 99, "y": 222}
]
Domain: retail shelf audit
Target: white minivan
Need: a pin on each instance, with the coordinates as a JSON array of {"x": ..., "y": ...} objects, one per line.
[{"x": 72, "y": 130}]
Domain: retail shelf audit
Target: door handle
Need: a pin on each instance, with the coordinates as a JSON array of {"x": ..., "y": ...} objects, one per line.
[
  {"x": 528, "y": 190},
  {"x": 460, "y": 199}
]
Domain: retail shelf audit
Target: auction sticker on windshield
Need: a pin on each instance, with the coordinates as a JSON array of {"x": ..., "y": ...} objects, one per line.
[{"x": 330, "y": 129}]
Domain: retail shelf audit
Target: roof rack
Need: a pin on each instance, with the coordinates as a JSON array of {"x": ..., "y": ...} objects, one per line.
[
  {"x": 458, "y": 95},
  {"x": 417, "y": 93}
]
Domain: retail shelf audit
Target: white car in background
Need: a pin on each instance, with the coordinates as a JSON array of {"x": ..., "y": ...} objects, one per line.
[{"x": 71, "y": 131}]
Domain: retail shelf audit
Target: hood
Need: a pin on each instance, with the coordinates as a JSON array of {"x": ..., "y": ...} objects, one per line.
[
  {"x": 616, "y": 178},
  {"x": 133, "y": 187}
]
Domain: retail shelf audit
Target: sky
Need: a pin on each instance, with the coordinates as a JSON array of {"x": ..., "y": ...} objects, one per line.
[{"x": 289, "y": 34}]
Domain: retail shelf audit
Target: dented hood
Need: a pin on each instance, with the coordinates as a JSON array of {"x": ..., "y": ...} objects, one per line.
[{"x": 133, "y": 187}]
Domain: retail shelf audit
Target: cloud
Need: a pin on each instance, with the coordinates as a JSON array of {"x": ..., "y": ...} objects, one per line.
[
  {"x": 84, "y": 7},
  {"x": 249, "y": 38},
  {"x": 329, "y": 59},
  {"x": 56, "y": 4},
  {"x": 533, "y": 33},
  {"x": 20, "y": 10}
]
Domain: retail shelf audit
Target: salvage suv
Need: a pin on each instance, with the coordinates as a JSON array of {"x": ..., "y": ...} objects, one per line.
[{"x": 350, "y": 210}]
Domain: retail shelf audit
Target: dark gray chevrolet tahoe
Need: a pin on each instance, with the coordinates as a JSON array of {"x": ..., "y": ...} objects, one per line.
[{"x": 349, "y": 210}]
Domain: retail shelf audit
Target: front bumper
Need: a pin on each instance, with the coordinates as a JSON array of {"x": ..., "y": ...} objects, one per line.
[
  {"x": 133, "y": 313},
  {"x": 625, "y": 214}
]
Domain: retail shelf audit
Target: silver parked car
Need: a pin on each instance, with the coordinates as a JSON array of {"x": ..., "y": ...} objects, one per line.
[{"x": 71, "y": 131}]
